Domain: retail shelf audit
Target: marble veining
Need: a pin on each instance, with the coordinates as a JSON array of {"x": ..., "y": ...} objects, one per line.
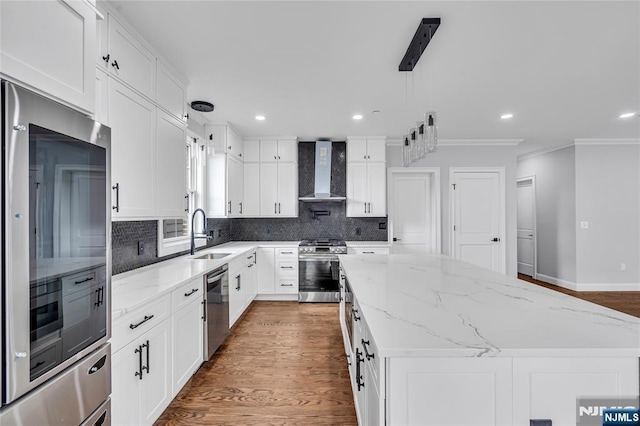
[{"x": 438, "y": 306}]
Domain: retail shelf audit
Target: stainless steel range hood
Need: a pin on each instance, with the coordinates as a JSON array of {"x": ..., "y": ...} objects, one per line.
[{"x": 322, "y": 187}]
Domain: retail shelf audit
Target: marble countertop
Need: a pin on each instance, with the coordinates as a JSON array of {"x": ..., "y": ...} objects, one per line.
[
  {"x": 133, "y": 289},
  {"x": 436, "y": 306},
  {"x": 356, "y": 244}
]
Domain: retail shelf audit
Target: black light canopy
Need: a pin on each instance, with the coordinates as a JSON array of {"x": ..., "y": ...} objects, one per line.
[
  {"x": 421, "y": 39},
  {"x": 202, "y": 106}
]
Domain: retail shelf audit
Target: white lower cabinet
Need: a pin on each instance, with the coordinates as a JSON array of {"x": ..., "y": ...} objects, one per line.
[
  {"x": 265, "y": 259},
  {"x": 287, "y": 270},
  {"x": 236, "y": 289},
  {"x": 141, "y": 375},
  {"x": 188, "y": 330}
]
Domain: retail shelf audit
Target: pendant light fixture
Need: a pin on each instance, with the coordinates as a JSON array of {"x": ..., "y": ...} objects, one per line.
[{"x": 423, "y": 138}]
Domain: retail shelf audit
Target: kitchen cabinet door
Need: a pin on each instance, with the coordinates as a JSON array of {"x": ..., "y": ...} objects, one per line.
[
  {"x": 251, "y": 283},
  {"x": 171, "y": 185},
  {"x": 102, "y": 98},
  {"x": 288, "y": 151},
  {"x": 287, "y": 189},
  {"x": 133, "y": 145},
  {"x": 373, "y": 406},
  {"x": 188, "y": 333},
  {"x": 251, "y": 151},
  {"x": 357, "y": 194},
  {"x": 235, "y": 143},
  {"x": 377, "y": 188},
  {"x": 251, "y": 204},
  {"x": 49, "y": 47},
  {"x": 377, "y": 150},
  {"x": 124, "y": 386},
  {"x": 235, "y": 187},
  {"x": 130, "y": 60},
  {"x": 236, "y": 296},
  {"x": 268, "y": 189},
  {"x": 357, "y": 150},
  {"x": 155, "y": 389},
  {"x": 268, "y": 151},
  {"x": 171, "y": 92},
  {"x": 265, "y": 260}
]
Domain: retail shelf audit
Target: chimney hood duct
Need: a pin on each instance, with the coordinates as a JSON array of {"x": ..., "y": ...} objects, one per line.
[{"x": 322, "y": 187}]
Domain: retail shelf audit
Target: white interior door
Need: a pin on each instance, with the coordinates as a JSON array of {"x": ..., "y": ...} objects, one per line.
[
  {"x": 478, "y": 218},
  {"x": 526, "y": 227},
  {"x": 413, "y": 205}
]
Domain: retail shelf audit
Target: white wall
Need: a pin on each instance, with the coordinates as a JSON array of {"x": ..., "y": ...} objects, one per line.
[
  {"x": 555, "y": 213},
  {"x": 470, "y": 156},
  {"x": 608, "y": 197}
]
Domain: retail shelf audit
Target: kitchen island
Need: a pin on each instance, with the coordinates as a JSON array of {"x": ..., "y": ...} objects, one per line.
[{"x": 436, "y": 341}]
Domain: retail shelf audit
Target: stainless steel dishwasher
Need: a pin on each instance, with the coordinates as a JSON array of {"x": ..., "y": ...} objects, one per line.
[{"x": 216, "y": 314}]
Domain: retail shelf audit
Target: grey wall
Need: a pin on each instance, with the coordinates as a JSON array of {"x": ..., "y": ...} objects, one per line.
[
  {"x": 470, "y": 156},
  {"x": 555, "y": 211},
  {"x": 608, "y": 197}
]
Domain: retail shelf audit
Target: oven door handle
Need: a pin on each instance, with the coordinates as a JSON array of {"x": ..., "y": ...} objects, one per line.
[{"x": 307, "y": 258}]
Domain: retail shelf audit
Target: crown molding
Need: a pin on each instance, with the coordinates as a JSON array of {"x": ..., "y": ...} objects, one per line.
[
  {"x": 543, "y": 151},
  {"x": 466, "y": 142},
  {"x": 608, "y": 141}
]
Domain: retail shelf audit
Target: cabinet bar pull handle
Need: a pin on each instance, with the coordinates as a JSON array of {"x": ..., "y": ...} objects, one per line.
[
  {"x": 366, "y": 352},
  {"x": 186, "y": 197},
  {"x": 368, "y": 252},
  {"x": 193, "y": 290},
  {"x": 146, "y": 318},
  {"x": 229, "y": 206},
  {"x": 117, "y": 206},
  {"x": 139, "y": 352},
  {"x": 286, "y": 285},
  {"x": 279, "y": 208},
  {"x": 146, "y": 367},
  {"x": 286, "y": 267},
  {"x": 240, "y": 208},
  {"x": 97, "y": 302},
  {"x": 204, "y": 310},
  {"x": 359, "y": 359},
  {"x": 83, "y": 281},
  {"x": 286, "y": 252},
  {"x": 355, "y": 315},
  {"x": 275, "y": 208}
]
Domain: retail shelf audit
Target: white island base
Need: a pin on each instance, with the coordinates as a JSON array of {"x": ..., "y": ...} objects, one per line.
[{"x": 437, "y": 341}]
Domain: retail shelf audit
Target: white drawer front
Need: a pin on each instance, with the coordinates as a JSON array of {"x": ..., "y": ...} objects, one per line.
[
  {"x": 368, "y": 250},
  {"x": 287, "y": 268},
  {"x": 287, "y": 286},
  {"x": 133, "y": 324},
  {"x": 289, "y": 252},
  {"x": 188, "y": 292}
]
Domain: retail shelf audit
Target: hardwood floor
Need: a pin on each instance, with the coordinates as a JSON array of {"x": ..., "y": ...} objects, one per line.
[
  {"x": 283, "y": 363},
  {"x": 623, "y": 301}
]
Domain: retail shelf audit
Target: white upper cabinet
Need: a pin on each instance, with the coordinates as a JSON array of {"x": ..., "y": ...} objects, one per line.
[
  {"x": 251, "y": 151},
  {"x": 130, "y": 61},
  {"x": 224, "y": 139},
  {"x": 132, "y": 119},
  {"x": 102, "y": 97},
  {"x": 49, "y": 46},
  {"x": 251, "y": 189},
  {"x": 366, "y": 178},
  {"x": 366, "y": 150},
  {"x": 272, "y": 151},
  {"x": 171, "y": 185},
  {"x": 171, "y": 92}
]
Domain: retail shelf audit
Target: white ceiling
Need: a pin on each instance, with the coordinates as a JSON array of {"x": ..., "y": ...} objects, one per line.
[{"x": 564, "y": 69}]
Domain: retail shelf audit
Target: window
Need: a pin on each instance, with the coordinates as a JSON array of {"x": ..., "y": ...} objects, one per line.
[{"x": 174, "y": 234}]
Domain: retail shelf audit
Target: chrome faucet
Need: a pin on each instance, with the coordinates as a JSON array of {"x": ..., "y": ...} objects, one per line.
[{"x": 204, "y": 231}]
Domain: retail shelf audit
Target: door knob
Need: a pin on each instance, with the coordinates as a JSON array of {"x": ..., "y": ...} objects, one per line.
[{"x": 495, "y": 240}]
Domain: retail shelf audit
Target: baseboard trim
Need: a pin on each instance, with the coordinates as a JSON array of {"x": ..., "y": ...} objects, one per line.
[
  {"x": 557, "y": 281},
  {"x": 278, "y": 297},
  {"x": 608, "y": 286},
  {"x": 589, "y": 286}
]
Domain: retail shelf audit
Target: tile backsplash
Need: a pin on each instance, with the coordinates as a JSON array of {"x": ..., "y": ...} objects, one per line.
[{"x": 315, "y": 220}]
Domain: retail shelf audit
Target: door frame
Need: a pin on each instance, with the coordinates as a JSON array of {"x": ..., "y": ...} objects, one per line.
[
  {"x": 434, "y": 174},
  {"x": 503, "y": 208},
  {"x": 532, "y": 178}
]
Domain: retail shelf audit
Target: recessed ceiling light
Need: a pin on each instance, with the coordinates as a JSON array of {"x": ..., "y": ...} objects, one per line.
[
  {"x": 357, "y": 117},
  {"x": 627, "y": 114},
  {"x": 260, "y": 117},
  {"x": 506, "y": 116}
]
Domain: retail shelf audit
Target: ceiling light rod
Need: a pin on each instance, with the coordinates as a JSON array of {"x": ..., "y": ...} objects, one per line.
[{"x": 421, "y": 39}]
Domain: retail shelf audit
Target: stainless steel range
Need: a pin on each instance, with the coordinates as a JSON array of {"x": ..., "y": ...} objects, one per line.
[{"x": 319, "y": 270}]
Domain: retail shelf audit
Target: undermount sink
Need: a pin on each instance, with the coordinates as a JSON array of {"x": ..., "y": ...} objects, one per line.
[{"x": 212, "y": 256}]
